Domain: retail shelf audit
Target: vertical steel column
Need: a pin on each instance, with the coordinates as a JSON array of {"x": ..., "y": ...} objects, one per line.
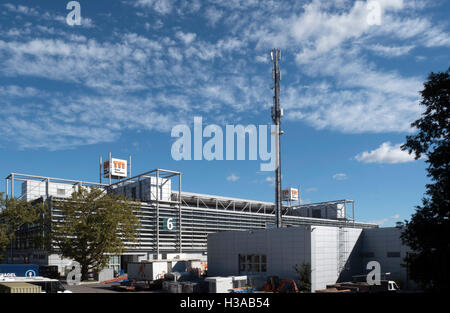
[
  {"x": 353, "y": 212},
  {"x": 7, "y": 188},
  {"x": 47, "y": 182},
  {"x": 109, "y": 165},
  {"x": 157, "y": 212},
  {"x": 12, "y": 186},
  {"x": 276, "y": 117},
  {"x": 129, "y": 166},
  {"x": 179, "y": 213},
  {"x": 101, "y": 165},
  {"x": 11, "y": 197}
]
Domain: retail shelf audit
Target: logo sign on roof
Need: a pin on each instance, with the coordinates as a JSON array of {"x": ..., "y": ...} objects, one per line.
[
  {"x": 118, "y": 168},
  {"x": 290, "y": 194}
]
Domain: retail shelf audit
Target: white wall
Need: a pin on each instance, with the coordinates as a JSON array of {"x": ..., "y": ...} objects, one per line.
[
  {"x": 328, "y": 211},
  {"x": 146, "y": 189},
  {"x": 62, "y": 263},
  {"x": 326, "y": 251},
  {"x": 284, "y": 248},
  {"x": 380, "y": 241},
  {"x": 32, "y": 189}
]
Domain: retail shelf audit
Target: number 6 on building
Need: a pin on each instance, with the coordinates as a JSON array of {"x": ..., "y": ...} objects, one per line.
[{"x": 169, "y": 224}]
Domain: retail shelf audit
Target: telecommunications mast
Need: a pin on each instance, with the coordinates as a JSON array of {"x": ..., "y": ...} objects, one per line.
[{"x": 277, "y": 114}]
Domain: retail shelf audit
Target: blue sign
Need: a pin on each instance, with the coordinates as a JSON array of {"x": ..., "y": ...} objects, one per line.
[
  {"x": 19, "y": 270},
  {"x": 30, "y": 273}
]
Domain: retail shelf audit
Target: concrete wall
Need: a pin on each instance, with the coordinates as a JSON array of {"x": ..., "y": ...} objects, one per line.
[
  {"x": 381, "y": 244},
  {"x": 331, "y": 249},
  {"x": 284, "y": 248}
]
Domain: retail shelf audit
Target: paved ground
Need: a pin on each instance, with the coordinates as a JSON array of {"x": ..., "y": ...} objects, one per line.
[
  {"x": 90, "y": 288},
  {"x": 98, "y": 288}
]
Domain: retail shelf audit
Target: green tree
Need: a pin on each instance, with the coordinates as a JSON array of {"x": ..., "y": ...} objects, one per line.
[
  {"x": 94, "y": 225},
  {"x": 4, "y": 240},
  {"x": 14, "y": 215},
  {"x": 304, "y": 276},
  {"x": 428, "y": 231}
]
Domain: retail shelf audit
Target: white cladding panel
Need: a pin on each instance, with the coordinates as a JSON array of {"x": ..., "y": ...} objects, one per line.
[
  {"x": 283, "y": 248},
  {"x": 331, "y": 248},
  {"x": 32, "y": 190},
  {"x": 323, "y": 247},
  {"x": 385, "y": 246},
  {"x": 146, "y": 189},
  {"x": 328, "y": 211}
]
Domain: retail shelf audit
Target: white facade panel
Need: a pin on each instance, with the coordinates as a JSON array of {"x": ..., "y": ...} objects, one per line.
[
  {"x": 146, "y": 189},
  {"x": 331, "y": 250},
  {"x": 328, "y": 211},
  {"x": 327, "y": 249},
  {"x": 384, "y": 245},
  {"x": 284, "y": 248},
  {"x": 32, "y": 190}
]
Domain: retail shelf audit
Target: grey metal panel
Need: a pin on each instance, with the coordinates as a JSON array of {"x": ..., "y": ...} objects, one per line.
[{"x": 198, "y": 223}]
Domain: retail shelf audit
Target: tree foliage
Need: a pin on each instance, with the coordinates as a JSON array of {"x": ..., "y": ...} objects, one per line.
[
  {"x": 428, "y": 231},
  {"x": 304, "y": 276},
  {"x": 4, "y": 240},
  {"x": 94, "y": 225},
  {"x": 15, "y": 214}
]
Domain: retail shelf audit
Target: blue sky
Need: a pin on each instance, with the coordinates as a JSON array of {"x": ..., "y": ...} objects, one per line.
[{"x": 133, "y": 69}]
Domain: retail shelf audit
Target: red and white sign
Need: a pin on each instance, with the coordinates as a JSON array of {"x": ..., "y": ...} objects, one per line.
[
  {"x": 117, "y": 168},
  {"x": 290, "y": 194}
]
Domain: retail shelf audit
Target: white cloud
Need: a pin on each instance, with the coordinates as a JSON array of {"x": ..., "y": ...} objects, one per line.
[
  {"x": 160, "y": 6},
  {"x": 340, "y": 176},
  {"x": 214, "y": 74},
  {"x": 389, "y": 52},
  {"x": 386, "y": 153},
  {"x": 47, "y": 16},
  {"x": 262, "y": 58},
  {"x": 233, "y": 178},
  {"x": 18, "y": 91},
  {"x": 111, "y": 73},
  {"x": 213, "y": 15},
  {"x": 383, "y": 221},
  {"x": 187, "y": 38},
  {"x": 312, "y": 189},
  {"x": 21, "y": 9},
  {"x": 330, "y": 41},
  {"x": 361, "y": 100},
  {"x": 83, "y": 120}
]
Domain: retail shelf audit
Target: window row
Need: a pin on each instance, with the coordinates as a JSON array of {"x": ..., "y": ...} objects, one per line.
[{"x": 252, "y": 263}]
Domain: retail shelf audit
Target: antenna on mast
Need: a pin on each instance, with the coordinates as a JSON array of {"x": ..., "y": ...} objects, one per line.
[{"x": 277, "y": 114}]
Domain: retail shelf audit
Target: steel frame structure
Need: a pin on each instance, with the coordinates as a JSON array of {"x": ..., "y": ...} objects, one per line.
[
  {"x": 14, "y": 177},
  {"x": 160, "y": 174},
  {"x": 197, "y": 215},
  {"x": 345, "y": 202}
]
